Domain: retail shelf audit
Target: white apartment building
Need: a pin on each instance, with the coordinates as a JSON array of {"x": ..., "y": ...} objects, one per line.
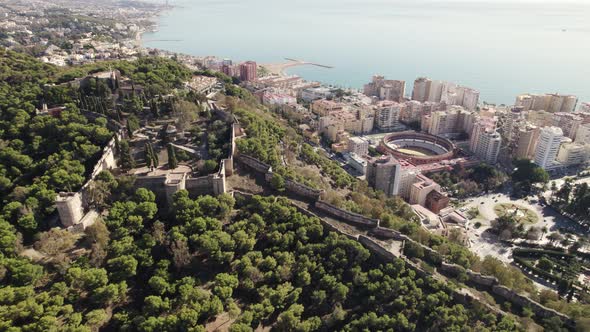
[
  {"x": 488, "y": 146},
  {"x": 387, "y": 115},
  {"x": 571, "y": 154},
  {"x": 358, "y": 146},
  {"x": 312, "y": 94},
  {"x": 548, "y": 147},
  {"x": 584, "y": 107}
]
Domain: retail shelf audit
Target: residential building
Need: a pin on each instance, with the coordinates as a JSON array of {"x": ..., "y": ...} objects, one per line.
[
  {"x": 357, "y": 163},
  {"x": 358, "y": 146},
  {"x": 311, "y": 94},
  {"x": 511, "y": 120},
  {"x": 583, "y": 134},
  {"x": 568, "y": 122},
  {"x": 526, "y": 142},
  {"x": 446, "y": 92},
  {"x": 393, "y": 90},
  {"x": 419, "y": 191},
  {"x": 435, "y": 92},
  {"x": 384, "y": 174},
  {"x": 387, "y": 115},
  {"x": 323, "y": 107},
  {"x": 479, "y": 127},
  {"x": 421, "y": 89},
  {"x": 448, "y": 122},
  {"x": 548, "y": 147},
  {"x": 547, "y": 102},
  {"x": 278, "y": 99},
  {"x": 571, "y": 154},
  {"x": 540, "y": 118},
  {"x": 470, "y": 98},
  {"x": 248, "y": 71},
  {"x": 351, "y": 119},
  {"x": 230, "y": 70},
  {"x": 411, "y": 111},
  {"x": 436, "y": 201},
  {"x": 584, "y": 107},
  {"x": 408, "y": 176},
  {"x": 488, "y": 145}
]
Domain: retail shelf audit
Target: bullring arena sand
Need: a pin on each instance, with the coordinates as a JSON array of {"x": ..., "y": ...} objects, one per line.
[{"x": 417, "y": 151}]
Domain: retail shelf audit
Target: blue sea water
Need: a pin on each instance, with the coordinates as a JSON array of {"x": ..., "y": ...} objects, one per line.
[{"x": 501, "y": 47}]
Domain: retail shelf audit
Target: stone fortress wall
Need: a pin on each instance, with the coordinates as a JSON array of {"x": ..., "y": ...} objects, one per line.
[
  {"x": 72, "y": 206},
  {"x": 490, "y": 283},
  {"x": 351, "y": 217}
]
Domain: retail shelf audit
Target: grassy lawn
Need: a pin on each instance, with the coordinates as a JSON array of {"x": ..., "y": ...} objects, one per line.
[{"x": 520, "y": 213}]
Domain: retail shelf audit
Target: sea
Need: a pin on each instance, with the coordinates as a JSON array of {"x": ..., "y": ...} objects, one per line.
[{"x": 503, "y": 48}]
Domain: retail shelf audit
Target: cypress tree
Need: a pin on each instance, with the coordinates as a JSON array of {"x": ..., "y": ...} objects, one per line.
[
  {"x": 155, "y": 159},
  {"x": 127, "y": 161},
  {"x": 172, "y": 161},
  {"x": 148, "y": 156}
]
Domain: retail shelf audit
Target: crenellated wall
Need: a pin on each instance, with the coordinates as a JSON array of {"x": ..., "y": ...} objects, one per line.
[
  {"x": 387, "y": 233},
  {"x": 302, "y": 190},
  {"x": 254, "y": 163},
  {"x": 346, "y": 215}
]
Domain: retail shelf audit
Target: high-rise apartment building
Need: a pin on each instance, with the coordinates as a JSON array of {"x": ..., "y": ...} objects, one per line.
[
  {"x": 387, "y": 115},
  {"x": 568, "y": 122},
  {"x": 548, "y": 147},
  {"x": 421, "y": 89},
  {"x": 525, "y": 142},
  {"x": 393, "y": 90},
  {"x": 248, "y": 71},
  {"x": 450, "y": 121},
  {"x": 488, "y": 146},
  {"x": 384, "y": 174},
  {"x": 547, "y": 102}
]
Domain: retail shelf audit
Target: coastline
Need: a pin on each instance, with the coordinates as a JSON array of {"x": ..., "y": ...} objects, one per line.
[{"x": 349, "y": 73}]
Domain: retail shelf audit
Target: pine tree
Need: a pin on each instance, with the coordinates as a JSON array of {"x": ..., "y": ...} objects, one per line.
[{"x": 172, "y": 161}]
